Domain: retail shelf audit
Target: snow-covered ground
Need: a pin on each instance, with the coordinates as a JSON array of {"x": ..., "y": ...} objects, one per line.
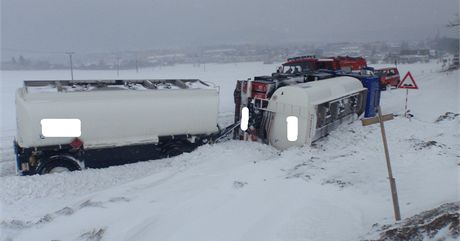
[{"x": 334, "y": 190}]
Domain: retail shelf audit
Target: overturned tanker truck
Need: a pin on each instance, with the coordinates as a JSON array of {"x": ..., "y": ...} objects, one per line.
[
  {"x": 318, "y": 102},
  {"x": 125, "y": 121},
  {"x": 121, "y": 121}
]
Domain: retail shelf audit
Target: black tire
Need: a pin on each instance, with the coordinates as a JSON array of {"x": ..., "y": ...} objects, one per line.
[
  {"x": 58, "y": 165},
  {"x": 175, "y": 149}
]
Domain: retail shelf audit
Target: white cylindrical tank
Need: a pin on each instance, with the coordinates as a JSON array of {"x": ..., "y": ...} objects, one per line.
[
  {"x": 301, "y": 101},
  {"x": 117, "y": 116}
]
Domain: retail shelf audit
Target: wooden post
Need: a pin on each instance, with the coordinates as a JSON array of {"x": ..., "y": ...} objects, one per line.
[{"x": 394, "y": 194}]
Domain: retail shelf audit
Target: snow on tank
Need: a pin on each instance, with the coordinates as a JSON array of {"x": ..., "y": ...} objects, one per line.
[
  {"x": 318, "y": 105},
  {"x": 117, "y": 112},
  {"x": 51, "y": 86}
]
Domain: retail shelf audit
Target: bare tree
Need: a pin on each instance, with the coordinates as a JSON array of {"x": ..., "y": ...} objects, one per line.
[{"x": 454, "y": 23}]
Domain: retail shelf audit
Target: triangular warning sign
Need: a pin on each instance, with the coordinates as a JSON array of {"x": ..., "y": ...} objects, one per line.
[{"x": 408, "y": 82}]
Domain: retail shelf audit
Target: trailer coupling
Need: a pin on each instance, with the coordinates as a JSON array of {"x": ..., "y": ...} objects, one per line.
[{"x": 223, "y": 133}]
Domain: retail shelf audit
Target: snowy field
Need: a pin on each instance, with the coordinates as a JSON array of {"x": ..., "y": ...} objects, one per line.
[{"x": 335, "y": 190}]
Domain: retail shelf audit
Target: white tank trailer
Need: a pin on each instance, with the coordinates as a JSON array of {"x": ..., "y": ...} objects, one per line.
[
  {"x": 318, "y": 106},
  {"x": 122, "y": 121}
]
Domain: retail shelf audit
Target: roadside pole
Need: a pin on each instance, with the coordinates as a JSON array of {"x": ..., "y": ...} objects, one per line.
[
  {"x": 71, "y": 63},
  {"x": 394, "y": 193},
  {"x": 118, "y": 66},
  {"x": 405, "y": 106}
]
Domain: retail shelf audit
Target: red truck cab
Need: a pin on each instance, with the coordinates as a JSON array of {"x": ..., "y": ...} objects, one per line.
[
  {"x": 388, "y": 77},
  {"x": 300, "y": 64}
]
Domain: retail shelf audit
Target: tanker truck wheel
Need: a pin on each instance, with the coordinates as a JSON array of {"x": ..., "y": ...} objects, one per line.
[
  {"x": 58, "y": 165},
  {"x": 175, "y": 149}
]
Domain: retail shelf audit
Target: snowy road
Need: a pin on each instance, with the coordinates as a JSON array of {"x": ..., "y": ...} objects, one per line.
[{"x": 335, "y": 190}]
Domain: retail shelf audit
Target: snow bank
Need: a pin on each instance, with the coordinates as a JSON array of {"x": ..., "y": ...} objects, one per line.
[
  {"x": 441, "y": 223},
  {"x": 335, "y": 190}
]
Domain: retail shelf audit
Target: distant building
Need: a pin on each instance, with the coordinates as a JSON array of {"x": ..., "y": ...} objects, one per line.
[
  {"x": 414, "y": 55},
  {"x": 455, "y": 63}
]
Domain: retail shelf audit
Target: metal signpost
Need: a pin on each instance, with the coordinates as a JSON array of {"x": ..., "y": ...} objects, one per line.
[
  {"x": 407, "y": 83},
  {"x": 381, "y": 119}
]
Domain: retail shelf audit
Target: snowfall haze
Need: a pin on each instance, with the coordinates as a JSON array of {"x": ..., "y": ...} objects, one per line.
[
  {"x": 236, "y": 190},
  {"x": 335, "y": 189},
  {"x": 114, "y": 25}
]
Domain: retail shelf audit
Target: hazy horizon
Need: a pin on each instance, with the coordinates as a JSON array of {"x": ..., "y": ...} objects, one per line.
[{"x": 115, "y": 25}]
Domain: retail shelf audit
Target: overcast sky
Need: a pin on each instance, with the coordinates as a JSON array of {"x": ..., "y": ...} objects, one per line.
[{"x": 111, "y": 25}]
